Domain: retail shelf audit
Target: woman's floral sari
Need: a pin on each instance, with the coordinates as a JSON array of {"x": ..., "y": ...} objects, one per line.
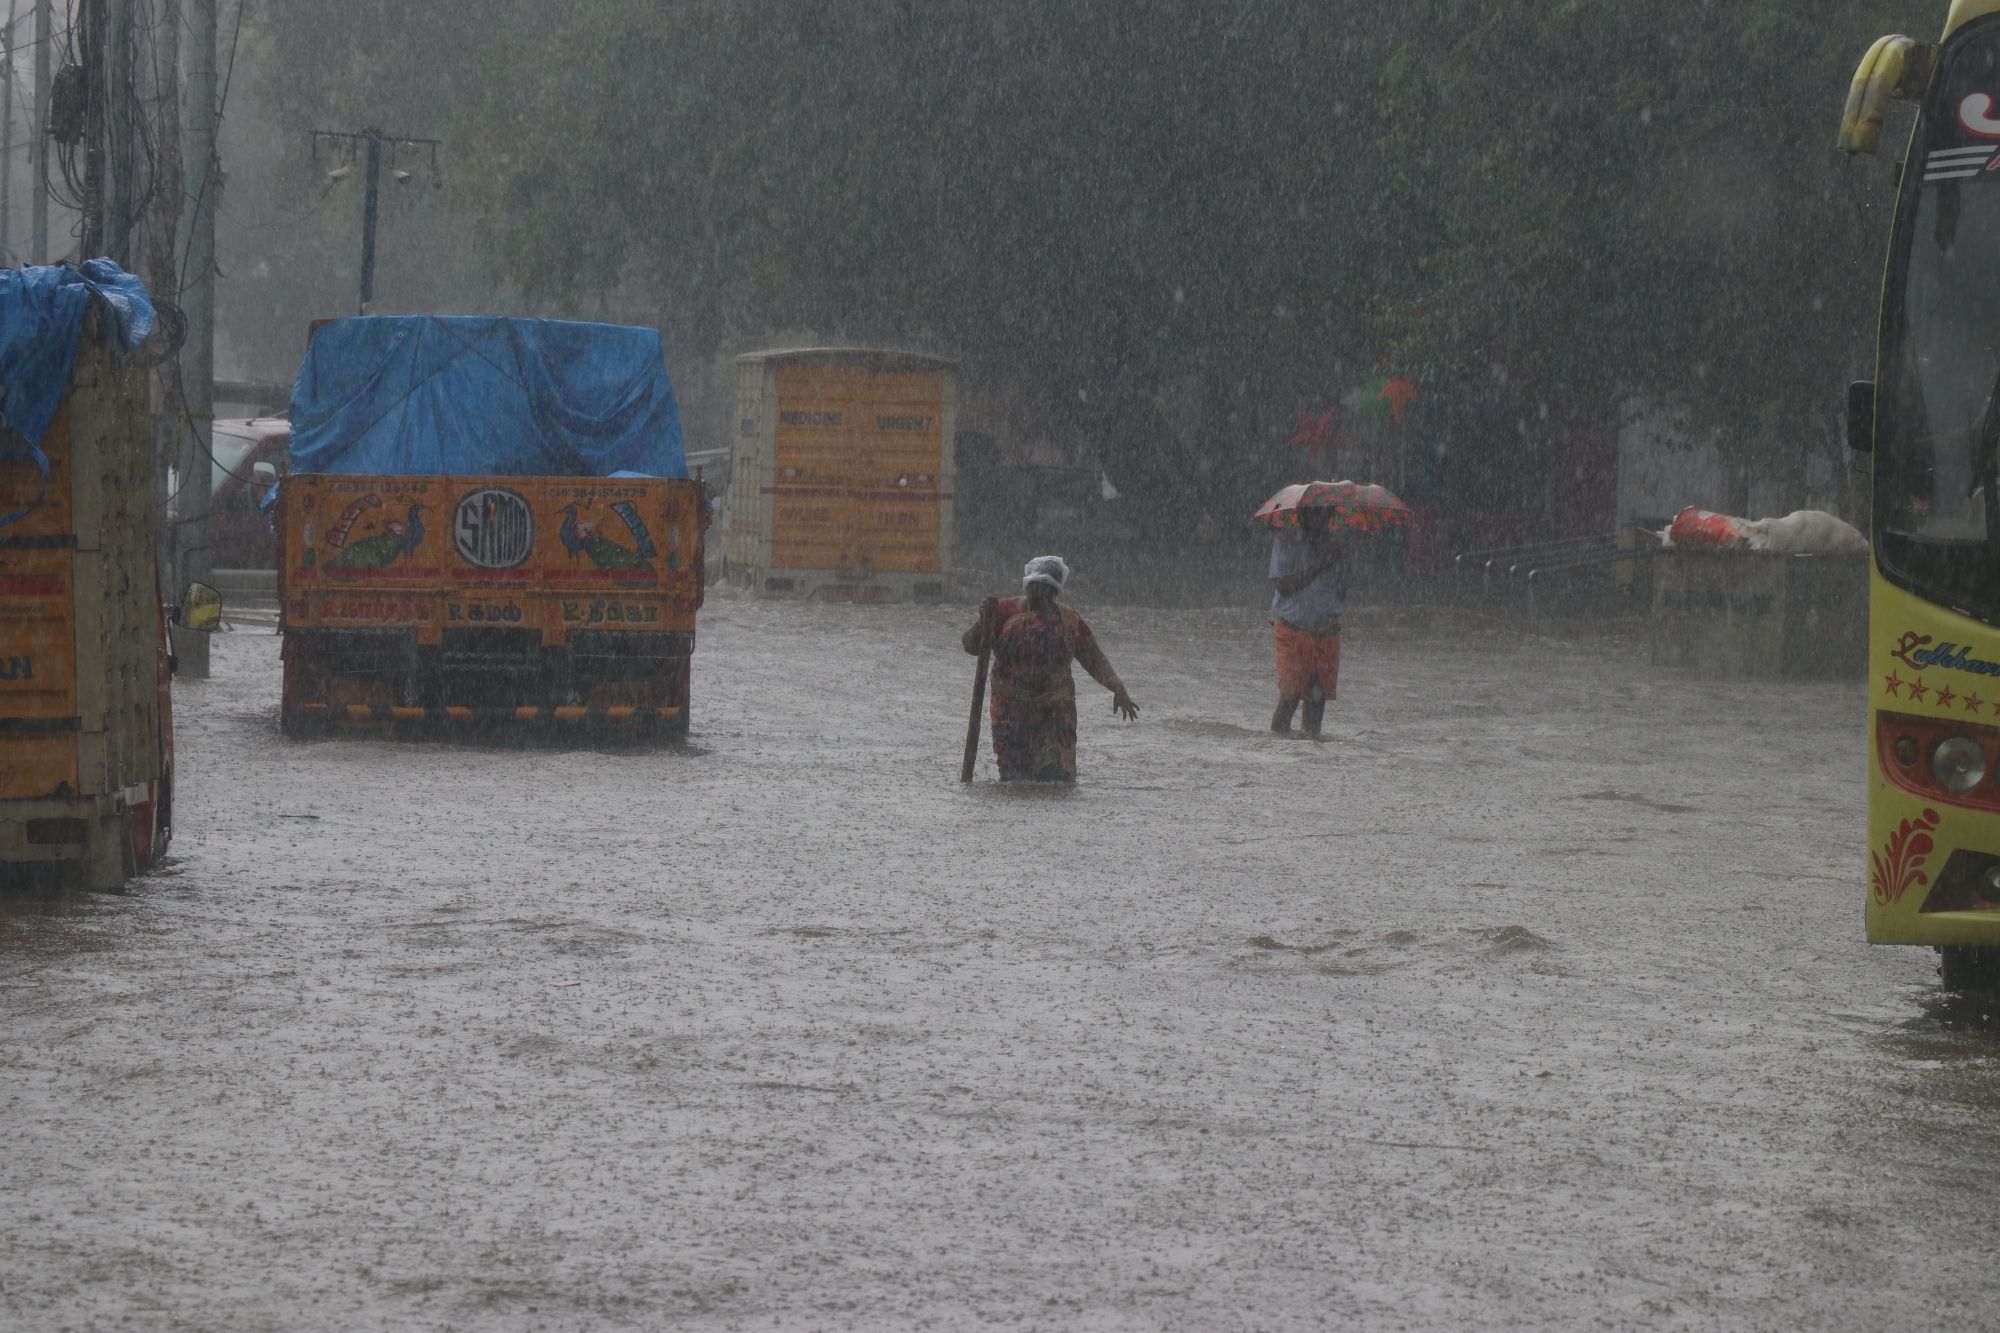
[{"x": 1034, "y": 696}]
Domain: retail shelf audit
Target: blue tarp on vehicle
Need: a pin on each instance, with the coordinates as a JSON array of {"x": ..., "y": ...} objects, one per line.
[
  {"x": 41, "y": 318},
  {"x": 428, "y": 395},
  {"x": 41, "y": 313}
]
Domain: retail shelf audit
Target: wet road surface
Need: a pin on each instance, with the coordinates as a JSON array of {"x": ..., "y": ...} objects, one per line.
[{"x": 1536, "y": 997}]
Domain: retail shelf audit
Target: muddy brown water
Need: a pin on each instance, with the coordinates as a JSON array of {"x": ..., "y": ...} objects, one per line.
[{"x": 1535, "y": 997}]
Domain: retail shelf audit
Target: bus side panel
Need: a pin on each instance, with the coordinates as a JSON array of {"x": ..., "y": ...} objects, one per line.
[{"x": 1933, "y": 676}]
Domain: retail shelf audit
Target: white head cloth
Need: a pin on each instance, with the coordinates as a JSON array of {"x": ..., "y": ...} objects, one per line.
[{"x": 1049, "y": 569}]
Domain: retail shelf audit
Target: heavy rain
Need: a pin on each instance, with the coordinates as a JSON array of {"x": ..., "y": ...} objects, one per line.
[{"x": 870, "y": 665}]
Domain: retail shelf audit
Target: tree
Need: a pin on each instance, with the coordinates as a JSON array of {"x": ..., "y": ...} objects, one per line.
[{"x": 1605, "y": 200}]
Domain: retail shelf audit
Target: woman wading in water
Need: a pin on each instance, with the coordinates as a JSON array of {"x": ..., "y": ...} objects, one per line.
[{"x": 1034, "y": 638}]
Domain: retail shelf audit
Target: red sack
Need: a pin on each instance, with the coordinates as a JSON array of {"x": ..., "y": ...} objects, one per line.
[{"x": 1699, "y": 527}]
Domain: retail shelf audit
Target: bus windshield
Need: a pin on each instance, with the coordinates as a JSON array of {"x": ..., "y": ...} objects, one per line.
[{"x": 1939, "y": 421}]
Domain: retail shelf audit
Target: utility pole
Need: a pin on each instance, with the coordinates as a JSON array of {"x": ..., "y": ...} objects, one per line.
[
  {"x": 119, "y": 71},
  {"x": 161, "y": 268},
  {"x": 38, "y": 235},
  {"x": 370, "y": 143},
  {"x": 7, "y": 139},
  {"x": 198, "y": 300},
  {"x": 92, "y": 42},
  {"x": 158, "y": 259}
]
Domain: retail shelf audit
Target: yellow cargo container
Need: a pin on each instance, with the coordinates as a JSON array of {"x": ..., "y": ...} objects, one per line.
[
  {"x": 86, "y": 743},
  {"x": 841, "y": 475}
]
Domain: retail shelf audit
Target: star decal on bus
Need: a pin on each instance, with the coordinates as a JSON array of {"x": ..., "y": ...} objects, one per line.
[
  {"x": 1918, "y": 689},
  {"x": 1893, "y": 684},
  {"x": 1973, "y": 703},
  {"x": 1945, "y": 696}
]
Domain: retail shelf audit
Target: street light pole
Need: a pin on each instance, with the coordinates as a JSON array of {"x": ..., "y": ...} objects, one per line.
[
  {"x": 38, "y": 235},
  {"x": 7, "y": 138},
  {"x": 370, "y": 141},
  {"x": 368, "y": 215},
  {"x": 197, "y": 295}
]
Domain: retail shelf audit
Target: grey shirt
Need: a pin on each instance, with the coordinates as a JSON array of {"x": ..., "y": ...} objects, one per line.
[{"x": 1315, "y": 606}]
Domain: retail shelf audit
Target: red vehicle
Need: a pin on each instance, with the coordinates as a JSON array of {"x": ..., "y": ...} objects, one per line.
[{"x": 248, "y": 455}]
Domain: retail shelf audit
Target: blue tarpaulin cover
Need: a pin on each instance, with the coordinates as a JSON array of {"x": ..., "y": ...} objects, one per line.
[
  {"x": 41, "y": 315},
  {"x": 41, "y": 312},
  {"x": 427, "y": 395}
]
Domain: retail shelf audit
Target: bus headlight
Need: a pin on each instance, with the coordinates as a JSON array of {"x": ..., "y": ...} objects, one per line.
[{"x": 1958, "y": 764}]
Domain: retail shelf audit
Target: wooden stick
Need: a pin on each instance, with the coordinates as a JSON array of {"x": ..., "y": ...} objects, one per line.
[{"x": 978, "y": 705}]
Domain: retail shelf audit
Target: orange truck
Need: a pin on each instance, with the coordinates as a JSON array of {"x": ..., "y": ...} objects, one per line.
[
  {"x": 86, "y": 722},
  {"x": 454, "y": 598},
  {"x": 841, "y": 475}
]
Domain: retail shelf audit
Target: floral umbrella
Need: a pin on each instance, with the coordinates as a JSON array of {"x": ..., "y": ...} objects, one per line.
[{"x": 1350, "y": 506}]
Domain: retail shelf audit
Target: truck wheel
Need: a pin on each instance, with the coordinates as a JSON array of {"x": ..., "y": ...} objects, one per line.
[
  {"x": 300, "y": 684},
  {"x": 163, "y": 816},
  {"x": 1963, "y": 967}
]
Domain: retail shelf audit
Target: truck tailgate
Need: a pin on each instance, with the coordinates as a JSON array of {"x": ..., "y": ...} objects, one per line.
[{"x": 436, "y": 554}]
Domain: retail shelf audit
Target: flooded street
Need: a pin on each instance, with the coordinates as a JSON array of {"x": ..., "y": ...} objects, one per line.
[{"x": 1535, "y": 997}]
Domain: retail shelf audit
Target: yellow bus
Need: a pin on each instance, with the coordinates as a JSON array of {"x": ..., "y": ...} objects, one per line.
[{"x": 1931, "y": 418}]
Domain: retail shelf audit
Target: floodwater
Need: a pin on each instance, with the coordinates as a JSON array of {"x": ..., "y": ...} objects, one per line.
[{"x": 1534, "y": 997}]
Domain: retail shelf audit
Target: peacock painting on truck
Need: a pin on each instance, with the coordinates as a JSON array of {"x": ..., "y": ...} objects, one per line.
[{"x": 355, "y": 551}]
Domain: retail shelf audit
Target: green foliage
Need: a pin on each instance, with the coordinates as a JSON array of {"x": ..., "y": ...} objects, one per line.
[{"x": 1611, "y": 199}]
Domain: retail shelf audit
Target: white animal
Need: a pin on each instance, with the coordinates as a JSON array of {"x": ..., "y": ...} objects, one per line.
[{"x": 1804, "y": 532}]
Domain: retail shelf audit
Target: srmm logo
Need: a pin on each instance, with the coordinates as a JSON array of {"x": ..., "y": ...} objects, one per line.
[{"x": 493, "y": 529}]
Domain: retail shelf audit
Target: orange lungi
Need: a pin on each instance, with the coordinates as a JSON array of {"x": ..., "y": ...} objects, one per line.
[{"x": 1305, "y": 656}]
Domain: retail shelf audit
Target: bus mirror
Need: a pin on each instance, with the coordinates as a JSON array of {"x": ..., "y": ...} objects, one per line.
[
  {"x": 200, "y": 609},
  {"x": 1861, "y": 416},
  {"x": 1895, "y": 69}
]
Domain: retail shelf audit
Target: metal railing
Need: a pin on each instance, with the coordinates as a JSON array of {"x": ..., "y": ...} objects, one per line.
[{"x": 1572, "y": 573}]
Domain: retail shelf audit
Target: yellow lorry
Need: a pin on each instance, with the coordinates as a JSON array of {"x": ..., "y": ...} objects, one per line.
[
  {"x": 86, "y": 722},
  {"x": 488, "y": 523}
]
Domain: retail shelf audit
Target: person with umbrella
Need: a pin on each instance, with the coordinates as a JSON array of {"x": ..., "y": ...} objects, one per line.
[
  {"x": 1308, "y": 574},
  {"x": 1033, "y": 639}
]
